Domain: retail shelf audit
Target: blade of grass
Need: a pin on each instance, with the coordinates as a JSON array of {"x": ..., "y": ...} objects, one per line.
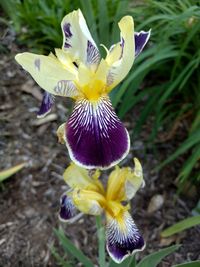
[
  {"x": 9, "y": 172},
  {"x": 187, "y": 144},
  {"x": 88, "y": 12},
  {"x": 103, "y": 24},
  {"x": 181, "y": 226},
  {"x": 155, "y": 258},
  {"x": 121, "y": 9},
  {"x": 128, "y": 262},
  {"x": 190, "y": 163},
  {"x": 60, "y": 260},
  {"x": 188, "y": 264},
  {"x": 72, "y": 249},
  {"x": 101, "y": 242}
]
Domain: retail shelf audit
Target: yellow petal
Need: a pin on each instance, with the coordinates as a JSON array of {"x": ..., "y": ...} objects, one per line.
[
  {"x": 61, "y": 133},
  {"x": 78, "y": 177},
  {"x": 78, "y": 41},
  {"x": 93, "y": 85},
  {"x": 49, "y": 73},
  {"x": 121, "y": 56},
  {"x": 66, "y": 60},
  {"x": 88, "y": 201},
  {"x": 123, "y": 183},
  {"x": 115, "y": 208},
  {"x": 134, "y": 180},
  {"x": 116, "y": 184}
]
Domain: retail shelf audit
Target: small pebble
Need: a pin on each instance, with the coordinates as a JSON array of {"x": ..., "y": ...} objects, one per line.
[{"x": 155, "y": 204}]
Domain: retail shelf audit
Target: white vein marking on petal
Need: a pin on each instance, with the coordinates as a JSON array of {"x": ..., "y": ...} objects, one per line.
[
  {"x": 110, "y": 78},
  {"x": 85, "y": 113},
  {"x": 65, "y": 88},
  {"x": 92, "y": 53},
  {"x": 116, "y": 235}
]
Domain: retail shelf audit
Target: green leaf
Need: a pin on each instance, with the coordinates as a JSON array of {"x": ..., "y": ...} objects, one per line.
[
  {"x": 128, "y": 262},
  {"x": 103, "y": 22},
  {"x": 60, "y": 260},
  {"x": 9, "y": 172},
  {"x": 182, "y": 225},
  {"x": 188, "y": 264},
  {"x": 88, "y": 12},
  {"x": 190, "y": 162},
  {"x": 101, "y": 242},
  {"x": 187, "y": 144},
  {"x": 155, "y": 258},
  {"x": 121, "y": 9},
  {"x": 78, "y": 254}
]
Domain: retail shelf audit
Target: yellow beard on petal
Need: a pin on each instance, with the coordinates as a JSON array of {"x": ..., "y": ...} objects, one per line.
[
  {"x": 94, "y": 90},
  {"x": 115, "y": 209}
]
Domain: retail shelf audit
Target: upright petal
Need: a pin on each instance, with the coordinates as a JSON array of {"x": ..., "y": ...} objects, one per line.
[
  {"x": 78, "y": 41},
  {"x": 123, "y": 183},
  {"x": 47, "y": 103},
  {"x": 123, "y": 237},
  {"x": 95, "y": 137},
  {"x": 141, "y": 38},
  {"x": 67, "y": 208},
  {"x": 116, "y": 183},
  {"x": 121, "y": 56},
  {"x": 134, "y": 181},
  {"x": 49, "y": 73}
]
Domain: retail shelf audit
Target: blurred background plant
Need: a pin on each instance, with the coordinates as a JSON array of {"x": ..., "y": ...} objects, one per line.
[
  {"x": 72, "y": 254},
  {"x": 165, "y": 80},
  {"x": 5, "y": 174}
]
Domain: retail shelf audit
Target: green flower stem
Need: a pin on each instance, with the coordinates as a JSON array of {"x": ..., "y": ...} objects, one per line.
[{"x": 101, "y": 241}]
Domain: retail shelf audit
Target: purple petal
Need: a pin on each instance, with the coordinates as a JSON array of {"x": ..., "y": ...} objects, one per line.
[
  {"x": 95, "y": 136},
  {"x": 67, "y": 208},
  {"x": 141, "y": 38},
  {"x": 123, "y": 238},
  {"x": 47, "y": 102}
]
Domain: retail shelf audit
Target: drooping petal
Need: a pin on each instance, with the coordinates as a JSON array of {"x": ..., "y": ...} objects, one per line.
[
  {"x": 123, "y": 237},
  {"x": 88, "y": 201},
  {"x": 47, "y": 103},
  {"x": 95, "y": 137},
  {"x": 78, "y": 41},
  {"x": 49, "y": 73},
  {"x": 78, "y": 177},
  {"x": 141, "y": 38},
  {"x": 121, "y": 56},
  {"x": 67, "y": 208}
]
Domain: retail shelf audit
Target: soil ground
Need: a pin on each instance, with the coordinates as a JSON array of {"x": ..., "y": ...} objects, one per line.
[{"x": 29, "y": 201}]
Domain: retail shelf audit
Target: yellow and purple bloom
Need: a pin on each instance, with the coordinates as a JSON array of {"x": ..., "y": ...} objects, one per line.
[
  {"x": 94, "y": 135},
  {"x": 88, "y": 195}
]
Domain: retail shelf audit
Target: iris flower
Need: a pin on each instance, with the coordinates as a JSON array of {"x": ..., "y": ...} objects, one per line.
[
  {"x": 94, "y": 135},
  {"x": 87, "y": 194}
]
